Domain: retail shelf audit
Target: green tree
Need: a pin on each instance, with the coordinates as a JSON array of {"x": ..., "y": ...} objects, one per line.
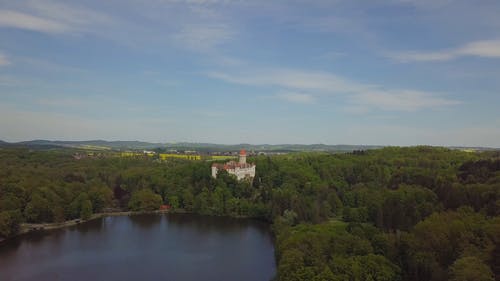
[
  {"x": 76, "y": 206},
  {"x": 100, "y": 197},
  {"x": 86, "y": 210},
  {"x": 470, "y": 269},
  {"x": 188, "y": 200},
  {"x": 173, "y": 200},
  {"x": 38, "y": 210},
  {"x": 202, "y": 202},
  {"x": 219, "y": 200},
  {"x": 144, "y": 200},
  {"x": 9, "y": 222}
]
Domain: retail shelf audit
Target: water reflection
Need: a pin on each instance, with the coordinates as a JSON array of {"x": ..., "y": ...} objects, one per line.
[
  {"x": 146, "y": 220},
  {"x": 210, "y": 223},
  {"x": 147, "y": 247},
  {"x": 88, "y": 227}
]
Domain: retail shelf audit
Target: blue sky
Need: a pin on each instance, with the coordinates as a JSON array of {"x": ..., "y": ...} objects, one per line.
[{"x": 387, "y": 72}]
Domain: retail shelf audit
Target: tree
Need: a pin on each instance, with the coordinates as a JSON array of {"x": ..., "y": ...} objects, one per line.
[
  {"x": 470, "y": 269},
  {"x": 173, "y": 200},
  {"x": 202, "y": 202},
  {"x": 9, "y": 222},
  {"x": 100, "y": 197},
  {"x": 144, "y": 200},
  {"x": 76, "y": 206},
  {"x": 290, "y": 217},
  {"x": 219, "y": 198},
  {"x": 38, "y": 210},
  {"x": 188, "y": 199},
  {"x": 376, "y": 267},
  {"x": 86, "y": 210}
]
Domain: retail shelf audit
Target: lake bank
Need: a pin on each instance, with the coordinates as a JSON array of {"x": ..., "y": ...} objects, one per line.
[
  {"x": 34, "y": 227},
  {"x": 168, "y": 246},
  {"x": 25, "y": 228}
]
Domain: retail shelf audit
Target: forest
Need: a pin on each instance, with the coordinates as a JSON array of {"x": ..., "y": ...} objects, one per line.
[{"x": 412, "y": 213}]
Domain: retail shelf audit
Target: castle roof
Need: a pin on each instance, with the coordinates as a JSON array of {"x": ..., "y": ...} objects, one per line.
[{"x": 243, "y": 152}]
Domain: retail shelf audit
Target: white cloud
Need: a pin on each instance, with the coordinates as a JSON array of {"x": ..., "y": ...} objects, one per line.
[
  {"x": 3, "y": 60},
  {"x": 333, "y": 55},
  {"x": 297, "y": 97},
  {"x": 404, "y": 100},
  {"x": 29, "y": 22},
  {"x": 64, "y": 102},
  {"x": 484, "y": 49},
  {"x": 487, "y": 48},
  {"x": 381, "y": 134},
  {"x": 203, "y": 37},
  {"x": 17, "y": 124},
  {"x": 52, "y": 17},
  {"x": 353, "y": 24},
  {"x": 291, "y": 79},
  {"x": 199, "y": 2},
  {"x": 426, "y": 4},
  {"x": 6, "y": 80},
  {"x": 361, "y": 96},
  {"x": 75, "y": 16}
]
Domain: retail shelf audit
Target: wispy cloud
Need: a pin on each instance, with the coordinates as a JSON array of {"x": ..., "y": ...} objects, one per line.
[
  {"x": 300, "y": 98},
  {"x": 484, "y": 49},
  {"x": 291, "y": 79},
  {"x": 427, "y": 4},
  {"x": 7, "y": 80},
  {"x": 332, "y": 55},
  {"x": 203, "y": 37},
  {"x": 402, "y": 100},
  {"x": 64, "y": 102},
  {"x": 306, "y": 87},
  {"x": 52, "y": 17},
  {"x": 17, "y": 124},
  {"x": 25, "y": 21},
  {"x": 338, "y": 24},
  {"x": 384, "y": 134},
  {"x": 4, "y": 60}
]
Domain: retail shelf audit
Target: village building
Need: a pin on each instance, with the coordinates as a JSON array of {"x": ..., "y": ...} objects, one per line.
[{"x": 241, "y": 169}]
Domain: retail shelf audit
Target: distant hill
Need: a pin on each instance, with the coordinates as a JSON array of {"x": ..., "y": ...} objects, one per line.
[
  {"x": 266, "y": 147},
  {"x": 200, "y": 147},
  {"x": 95, "y": 144}
]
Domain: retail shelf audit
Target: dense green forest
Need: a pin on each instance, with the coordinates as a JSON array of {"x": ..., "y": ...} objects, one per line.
[{"x": 417, "y": 213}]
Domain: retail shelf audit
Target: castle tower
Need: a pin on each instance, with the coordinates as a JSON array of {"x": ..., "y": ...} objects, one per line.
[
  {"x": 241, "y": 169},
  {"x": 243, "y": 156}
]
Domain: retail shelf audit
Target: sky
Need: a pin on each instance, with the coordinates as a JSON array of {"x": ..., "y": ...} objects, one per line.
[{"x": 380, "y": 72}]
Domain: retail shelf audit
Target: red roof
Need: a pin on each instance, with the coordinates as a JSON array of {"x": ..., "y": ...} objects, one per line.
[{"x": 243, "y": 152}]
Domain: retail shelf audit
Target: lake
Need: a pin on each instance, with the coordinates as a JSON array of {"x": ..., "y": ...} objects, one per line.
[{"x": 144, "y": 247}]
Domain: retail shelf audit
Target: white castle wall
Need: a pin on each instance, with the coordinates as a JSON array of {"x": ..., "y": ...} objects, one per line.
[
  {"x": 247, "y": 171},
  {"x": 240, "y": 173}
]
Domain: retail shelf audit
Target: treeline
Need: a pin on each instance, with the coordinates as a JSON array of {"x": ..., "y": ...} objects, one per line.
[
  {"x": 417, "y": 213},
  {"x": 51, "y": 186},
  {"x": 407, "y": 214}
]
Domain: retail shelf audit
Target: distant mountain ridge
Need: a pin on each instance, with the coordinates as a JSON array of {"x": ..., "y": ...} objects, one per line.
[
  {"x": 121, "y": 145},
  {"x": 97, "y": 143},
  {"x": 202, "y": 147}
]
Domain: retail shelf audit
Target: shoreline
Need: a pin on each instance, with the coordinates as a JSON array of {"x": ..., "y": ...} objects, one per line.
[
  {"x": 25, "y": 228},
  {"x": 29, "y": 227}
]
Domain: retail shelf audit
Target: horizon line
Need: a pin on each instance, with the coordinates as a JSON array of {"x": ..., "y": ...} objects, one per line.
[{"x": 252, "y": 144}]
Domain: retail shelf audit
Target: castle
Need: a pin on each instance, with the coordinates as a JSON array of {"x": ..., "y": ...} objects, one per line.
[{"x": 240, "y": 169}]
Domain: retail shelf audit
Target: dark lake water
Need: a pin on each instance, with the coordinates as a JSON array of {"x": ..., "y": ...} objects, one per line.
[{"x": 144, "y": 247}]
